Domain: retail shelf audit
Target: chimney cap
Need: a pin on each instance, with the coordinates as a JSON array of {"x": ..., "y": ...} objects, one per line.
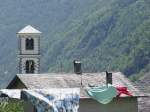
[{"x": 77, "y": 61}]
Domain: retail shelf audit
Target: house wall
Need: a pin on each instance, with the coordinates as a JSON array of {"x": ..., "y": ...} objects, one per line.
[
  {"x": 117, "y": 105},
  {"x": 88, "y": 105},
  {"x": 28, "y": 107}
]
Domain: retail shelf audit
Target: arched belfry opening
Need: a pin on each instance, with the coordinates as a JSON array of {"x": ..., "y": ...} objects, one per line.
[
  {"x": 29, "y": 44},
  {"x": 30, "y": 66}
]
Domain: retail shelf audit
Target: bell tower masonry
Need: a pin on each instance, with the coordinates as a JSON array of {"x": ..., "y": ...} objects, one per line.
[{"x": 29, "y": 50}]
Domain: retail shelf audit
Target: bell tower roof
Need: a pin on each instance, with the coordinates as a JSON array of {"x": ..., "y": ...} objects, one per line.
[{"x": 28, "y": 29}]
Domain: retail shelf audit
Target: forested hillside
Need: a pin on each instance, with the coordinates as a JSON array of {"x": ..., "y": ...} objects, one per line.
[
  {"x": 116, "y": 37},
  {"x": 104, "y": 34}
]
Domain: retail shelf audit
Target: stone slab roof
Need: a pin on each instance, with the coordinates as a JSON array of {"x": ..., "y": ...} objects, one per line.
[
  {"x": 144, "y": 83},
  {"x": 69, "y": 80}
]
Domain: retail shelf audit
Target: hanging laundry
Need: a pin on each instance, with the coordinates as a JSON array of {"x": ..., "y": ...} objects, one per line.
[
  {"x": 102, "y": 94},
  {"x": 123, "y": 90},
  {"x": 53, "y": 100}
]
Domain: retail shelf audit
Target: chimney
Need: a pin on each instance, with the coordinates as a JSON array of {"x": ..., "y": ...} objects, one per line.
[
  {"x": 108, "y": 78},
  {"x": 77, "y": 67}
]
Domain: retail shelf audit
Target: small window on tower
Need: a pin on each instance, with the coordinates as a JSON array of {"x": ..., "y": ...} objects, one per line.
[
  {"x": 30, "y": 66},
  {"x": 29, "y": 44}
]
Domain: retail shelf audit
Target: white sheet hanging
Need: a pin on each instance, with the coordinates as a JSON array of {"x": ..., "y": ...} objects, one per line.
[{"x": 54, "y": 100}]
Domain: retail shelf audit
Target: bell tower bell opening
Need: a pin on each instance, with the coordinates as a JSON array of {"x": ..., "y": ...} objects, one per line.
[
  {"x": 30, "y": 66},
  {"x": 29, "y": 44}
]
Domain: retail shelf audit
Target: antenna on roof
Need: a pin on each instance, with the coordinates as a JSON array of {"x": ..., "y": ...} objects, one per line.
[
  {"x": 61, "y": 66},
  {"x": 81, "y": 80}
]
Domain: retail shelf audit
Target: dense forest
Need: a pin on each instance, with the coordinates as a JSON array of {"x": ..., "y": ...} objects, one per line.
[{"x": 111, "y": 35}]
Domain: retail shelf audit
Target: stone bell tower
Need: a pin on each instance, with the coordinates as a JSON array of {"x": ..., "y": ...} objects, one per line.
[{"x": 29, "y": 50}]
